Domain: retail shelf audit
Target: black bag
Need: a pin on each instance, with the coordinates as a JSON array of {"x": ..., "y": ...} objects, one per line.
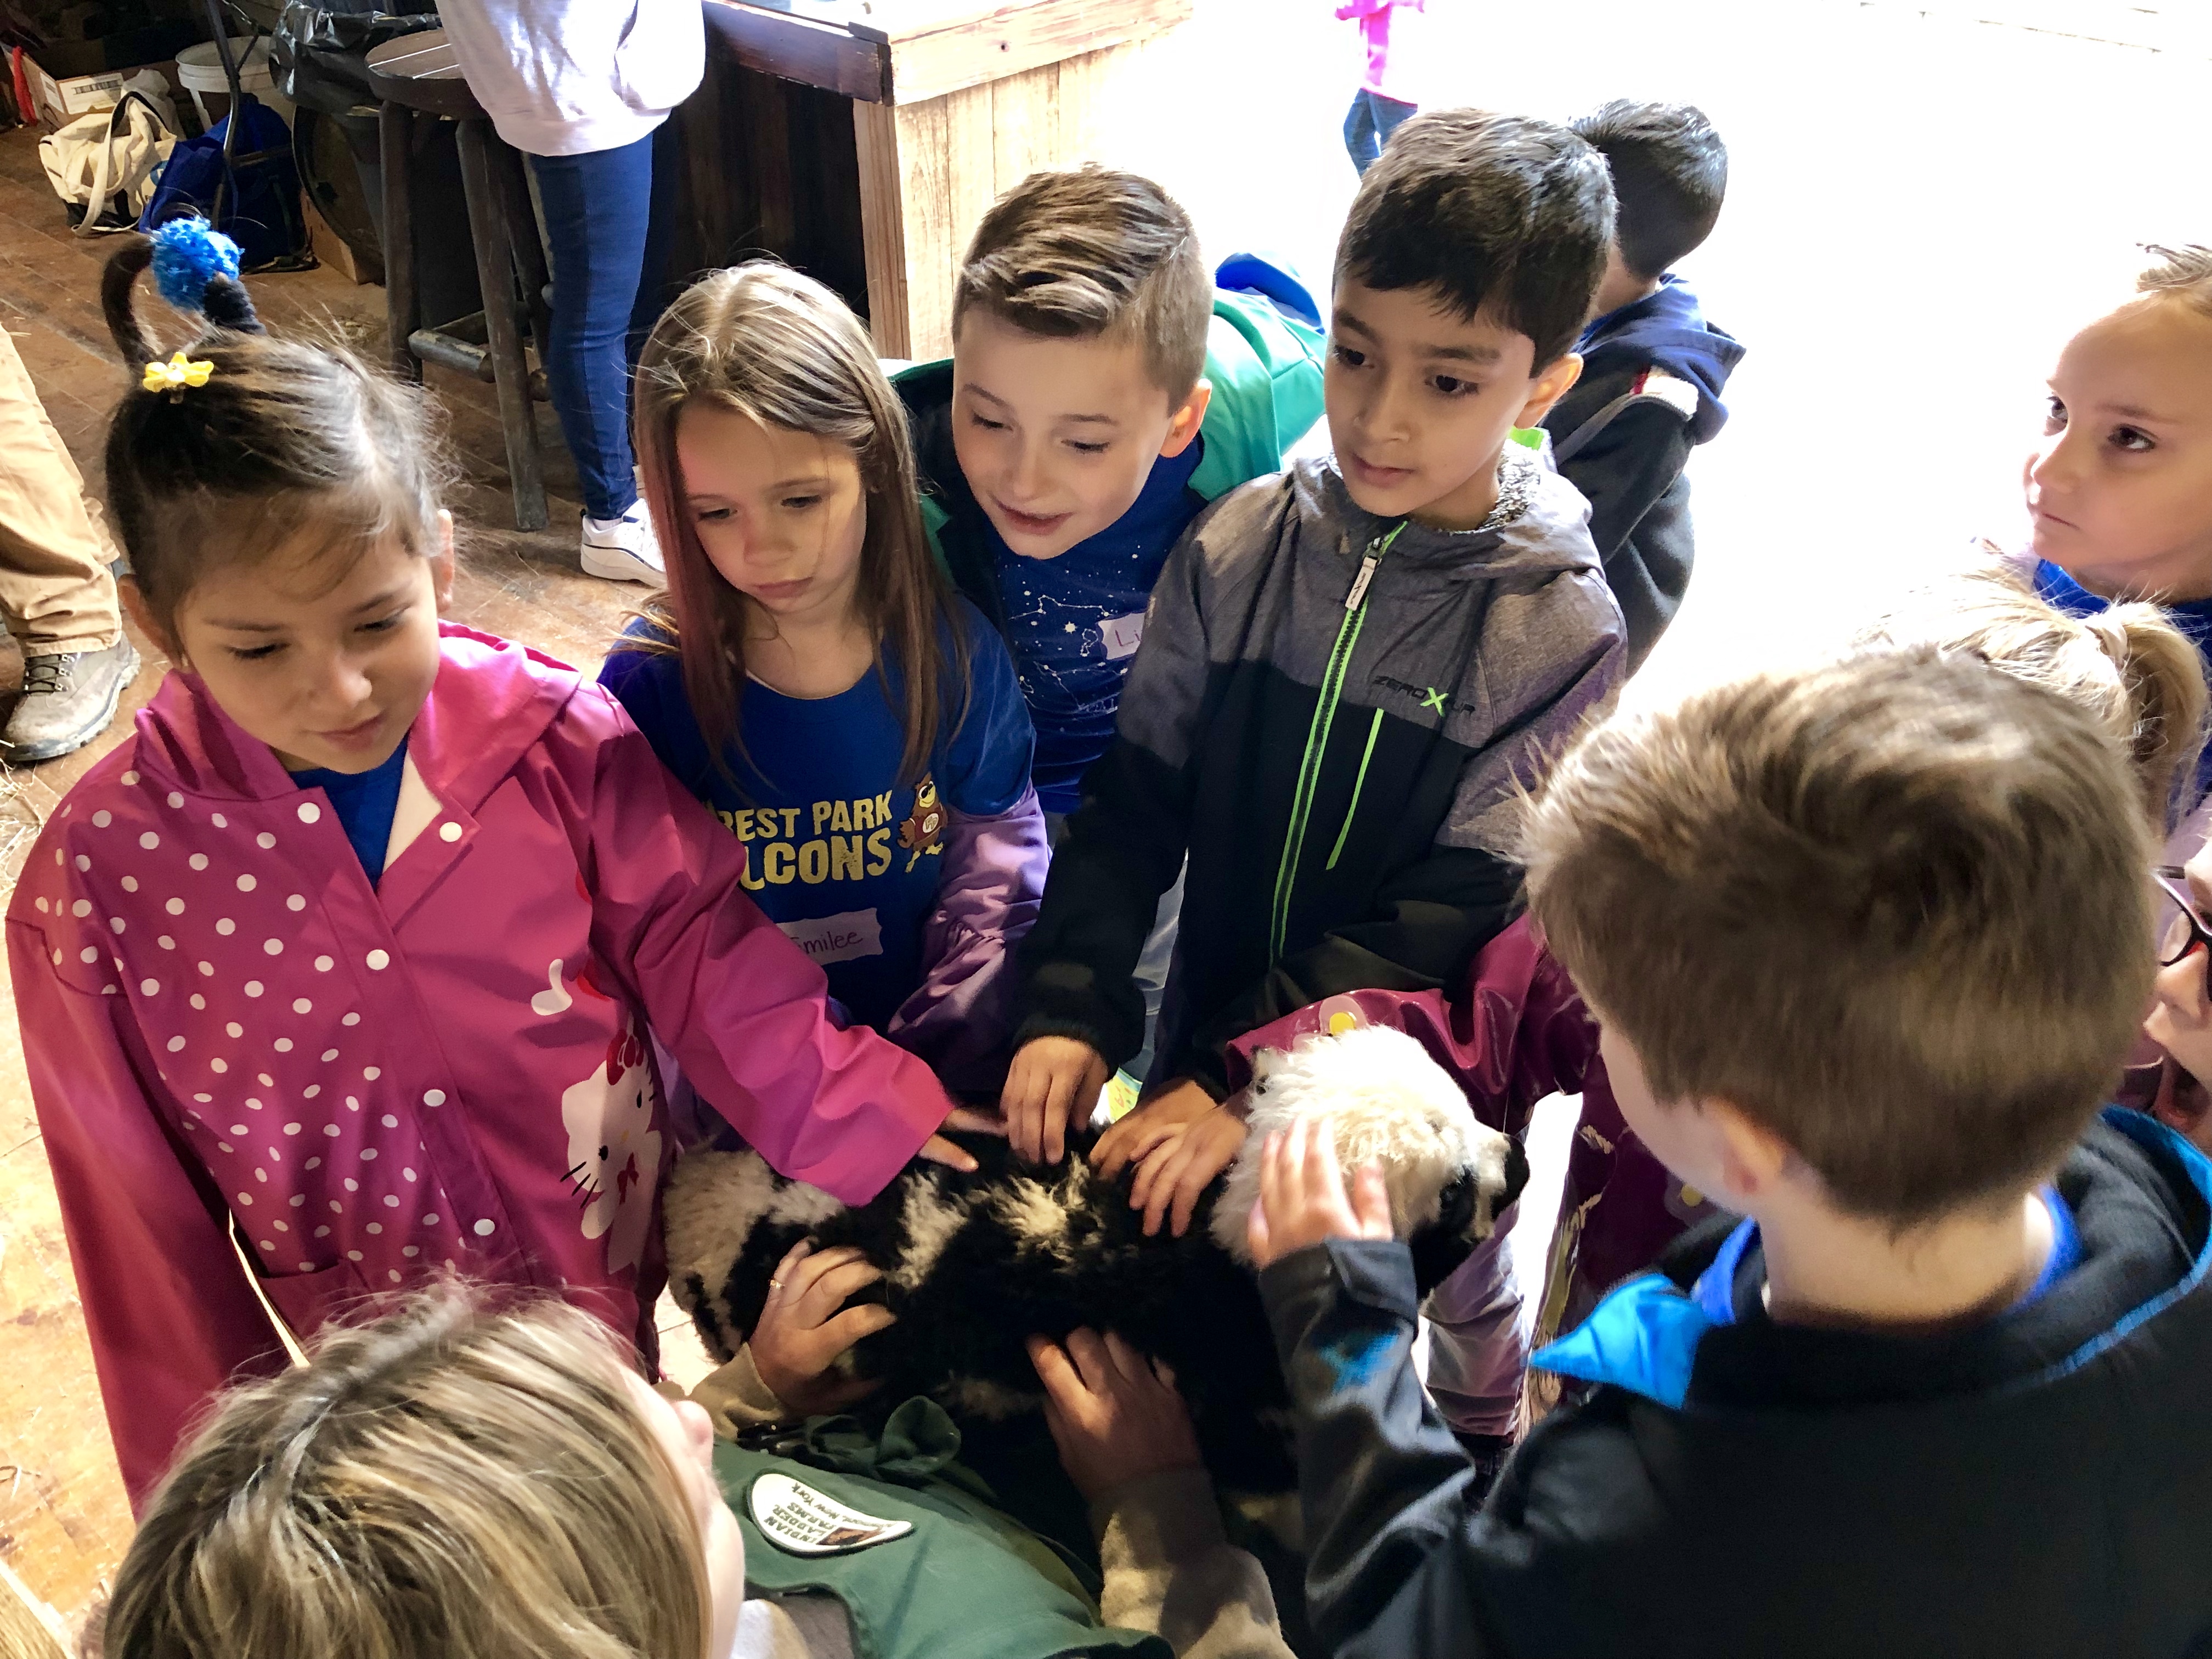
[{"x": 320, "y": 51}]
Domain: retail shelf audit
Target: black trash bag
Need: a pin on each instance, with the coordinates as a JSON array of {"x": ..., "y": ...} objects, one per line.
[{"x": 320, "y": 51}]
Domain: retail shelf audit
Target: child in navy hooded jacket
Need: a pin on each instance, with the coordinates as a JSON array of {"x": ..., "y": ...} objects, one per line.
[
  {"x": 1653, "y": 369},
  {"x": 1865, "y": 943}
]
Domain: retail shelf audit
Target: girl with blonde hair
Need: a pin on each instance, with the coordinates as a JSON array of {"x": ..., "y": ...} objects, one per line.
[
  {"x": 472, "y": 1478},
  {"x": 811, "y": 677},
  {"x": 451, "y": 1482}
]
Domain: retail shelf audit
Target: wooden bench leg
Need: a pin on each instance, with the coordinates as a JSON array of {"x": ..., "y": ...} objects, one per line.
[
  {"x": 529, "y": 247},
  {"x": 395, "y": 129},
  {"x": 495, "y": 275}
]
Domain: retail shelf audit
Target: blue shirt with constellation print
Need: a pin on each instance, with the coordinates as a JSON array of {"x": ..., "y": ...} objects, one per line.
[{"x": 1074, "y": 622}]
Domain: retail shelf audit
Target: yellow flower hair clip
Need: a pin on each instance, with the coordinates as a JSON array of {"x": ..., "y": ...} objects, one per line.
[{"x": 180, "y": 371}]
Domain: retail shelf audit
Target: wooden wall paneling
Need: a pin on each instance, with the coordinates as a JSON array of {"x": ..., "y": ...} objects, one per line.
[
  {"x": 925, "y": 173},
  {"x": 1099, "y": 92},
  {"x": 1025, "y": 129},
  {"x": 818, "y": 53},
  {"x": 765, "y": 116},
  {"x": 828, "y": 236},
  {"x": 948, "y": 152},
  {"x": 971, "y": 149},
  {"x": 937, "y": 48},
  {"x": 883, "y": 224},
  {"x": 713, "y": 175}
]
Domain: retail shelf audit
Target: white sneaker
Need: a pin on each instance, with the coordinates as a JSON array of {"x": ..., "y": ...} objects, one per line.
[{"x": 622, "y": 550}]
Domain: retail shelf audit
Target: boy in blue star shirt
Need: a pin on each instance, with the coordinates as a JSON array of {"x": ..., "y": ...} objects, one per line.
[{"x": 1100, "y": 391}]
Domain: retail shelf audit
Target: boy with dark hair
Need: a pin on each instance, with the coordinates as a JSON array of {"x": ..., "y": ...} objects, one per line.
[
  {"x": 1349, "y": 672},
  {"x": 1865, "y": 944},
  {"x": 1653, "y": 369}
]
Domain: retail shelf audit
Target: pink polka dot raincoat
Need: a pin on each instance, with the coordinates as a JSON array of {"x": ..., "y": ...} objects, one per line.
[{"x": 231, "y": 1034}]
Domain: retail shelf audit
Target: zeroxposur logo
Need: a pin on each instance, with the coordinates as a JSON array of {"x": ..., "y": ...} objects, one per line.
[{"x": 1431, "y": 700}]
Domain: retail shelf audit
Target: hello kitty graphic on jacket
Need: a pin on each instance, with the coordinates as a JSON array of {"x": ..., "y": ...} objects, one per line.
[
  {"x": 231, "y": 1030},
  {"x": 616, "y": 1148}
]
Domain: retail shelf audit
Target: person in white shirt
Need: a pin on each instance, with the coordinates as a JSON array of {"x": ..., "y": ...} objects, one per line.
[{"x": 584, "y": 87}]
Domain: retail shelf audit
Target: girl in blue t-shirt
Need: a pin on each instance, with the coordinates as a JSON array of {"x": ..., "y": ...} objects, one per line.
[{"x": 813, "y": 678}]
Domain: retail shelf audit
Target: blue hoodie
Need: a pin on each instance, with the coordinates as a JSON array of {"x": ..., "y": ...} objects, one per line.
[
  {"x": 1651, "y": 389},
  {"x": 1667, "y": 329}
]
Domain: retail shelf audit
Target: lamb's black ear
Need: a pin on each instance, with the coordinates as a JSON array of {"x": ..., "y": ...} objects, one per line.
[
  {"x": 1516, "y": 1176},
  {"x": 1438, "y": 1247}
]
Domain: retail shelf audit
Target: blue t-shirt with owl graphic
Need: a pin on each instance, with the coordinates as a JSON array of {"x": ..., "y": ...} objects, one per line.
[{"x": 838, "y": 853}]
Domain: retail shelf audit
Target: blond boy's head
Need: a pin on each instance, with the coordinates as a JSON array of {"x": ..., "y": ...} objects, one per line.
[
  {"x": 1891, "y": 911},
  {"x": 1078, "y": 327}
]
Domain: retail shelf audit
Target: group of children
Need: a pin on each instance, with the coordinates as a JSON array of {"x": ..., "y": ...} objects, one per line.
[{"x": 958, "y": 681}]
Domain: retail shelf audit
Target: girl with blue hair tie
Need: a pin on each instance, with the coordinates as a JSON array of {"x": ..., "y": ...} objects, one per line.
[{"x": 353, "y": 955}]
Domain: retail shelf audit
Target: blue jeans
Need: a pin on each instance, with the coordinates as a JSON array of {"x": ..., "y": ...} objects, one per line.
[
  {"x": 606, "y": 218},
  {"x": 1370, "y": 123}
]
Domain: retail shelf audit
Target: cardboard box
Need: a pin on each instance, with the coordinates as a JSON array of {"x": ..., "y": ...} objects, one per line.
[
  {"x": 71, "y": 78},
  {"x": 332, "y": 249}
]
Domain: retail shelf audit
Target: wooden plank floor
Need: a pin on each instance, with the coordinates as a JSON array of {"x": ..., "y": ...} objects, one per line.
[{"x": 63, "y": 1523}]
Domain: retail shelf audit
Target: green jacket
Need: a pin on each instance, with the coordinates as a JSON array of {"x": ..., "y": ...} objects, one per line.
[
  {"x": 965, "y": 1580},
  {"x": 1265, "y": 369}
]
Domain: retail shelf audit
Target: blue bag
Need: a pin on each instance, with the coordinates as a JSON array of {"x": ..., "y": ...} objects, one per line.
[{"x": 258, "y": 186}]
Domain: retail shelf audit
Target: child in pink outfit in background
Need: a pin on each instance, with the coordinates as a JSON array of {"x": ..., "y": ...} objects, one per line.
[
  {"x": 1385, "y": 99},
  {"x": 346, "y": 962}
]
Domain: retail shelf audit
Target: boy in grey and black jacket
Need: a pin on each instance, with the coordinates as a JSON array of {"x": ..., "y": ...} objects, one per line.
[{"x": 1348, "y": 671}]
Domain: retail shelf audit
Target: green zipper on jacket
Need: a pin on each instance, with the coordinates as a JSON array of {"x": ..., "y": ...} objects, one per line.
[{"x": 1324, "y": 715}]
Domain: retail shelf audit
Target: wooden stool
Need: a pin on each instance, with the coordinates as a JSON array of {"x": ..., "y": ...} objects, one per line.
[{"x": 418, "y": 75}]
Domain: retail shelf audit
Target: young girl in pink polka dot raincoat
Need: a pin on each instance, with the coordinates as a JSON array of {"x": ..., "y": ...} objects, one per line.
[{"x": 243, "y": 1042}]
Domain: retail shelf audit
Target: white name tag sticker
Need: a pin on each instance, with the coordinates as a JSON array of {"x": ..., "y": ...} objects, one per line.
[
  {"x": 1123, "y": 635},
  {"x": 800, "y": 1521},
  {"x": 842, "y": 937}
]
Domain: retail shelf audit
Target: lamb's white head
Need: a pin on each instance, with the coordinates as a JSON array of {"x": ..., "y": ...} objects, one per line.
[{"x": 1387, "y": 1101}]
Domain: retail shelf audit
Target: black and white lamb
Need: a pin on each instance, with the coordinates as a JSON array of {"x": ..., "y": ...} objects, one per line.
[{"x": 974, "y": 1263}]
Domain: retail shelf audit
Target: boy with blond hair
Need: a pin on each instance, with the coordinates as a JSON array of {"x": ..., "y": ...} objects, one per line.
[
  {"x": 1865, "y": 944},
  {"x": 1101, "y": 390},
  {"x": 1350, "y": 671}
]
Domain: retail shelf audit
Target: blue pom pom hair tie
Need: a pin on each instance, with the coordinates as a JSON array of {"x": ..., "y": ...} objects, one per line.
[{"x": 188, "y": 255}]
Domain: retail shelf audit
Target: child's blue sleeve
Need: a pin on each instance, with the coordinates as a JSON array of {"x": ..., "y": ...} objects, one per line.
[
  {"x": 985, "y": 767},
  {"x": 649, "y": 685}
]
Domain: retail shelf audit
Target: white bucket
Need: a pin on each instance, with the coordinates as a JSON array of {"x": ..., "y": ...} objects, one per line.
[{"x": 199, "y": 71}]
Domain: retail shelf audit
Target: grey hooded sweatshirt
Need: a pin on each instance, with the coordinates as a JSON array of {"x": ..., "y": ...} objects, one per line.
[{"x": 1332, "y": 713}]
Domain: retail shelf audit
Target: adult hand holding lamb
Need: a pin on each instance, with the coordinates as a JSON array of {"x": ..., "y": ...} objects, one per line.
[
  {"x": 802, "y": 1334},
  {"x": 1114, "y": 1415}
]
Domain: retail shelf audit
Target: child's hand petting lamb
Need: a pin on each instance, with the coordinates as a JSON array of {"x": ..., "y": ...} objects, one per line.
[
  {"x": 950, "y": 1153},
  {"x": 1302, "y": 1196},
  {"x": 1114, "y": 1415},
  {"x": 1053, "y": 1081},
  {"x": 1178, "y": 1140}
]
